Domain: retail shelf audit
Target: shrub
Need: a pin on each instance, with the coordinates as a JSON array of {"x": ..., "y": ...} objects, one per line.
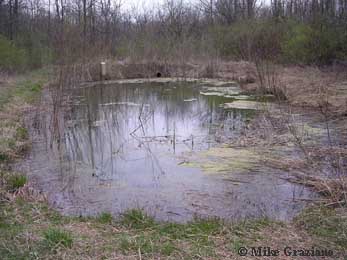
[
  {"x": 313, "y": 44},
  {"x": 232, "y": 41},
  {"x": 326, "y": 41},
  {"x": 4, "y": 157},
  {"x": 250, "y": 39},
  {"x": 11, "y": 57},
  {"x": 285, "y": 41}
]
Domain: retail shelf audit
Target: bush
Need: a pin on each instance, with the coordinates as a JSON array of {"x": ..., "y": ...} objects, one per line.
[
  {"x": 4, "y": 157},
  {"x": 250, "y": 39},
  {"x": 303, "y": 43},
  {"x": 313, "y": 44},
  {"x": 11, "y": 57},
  {"x": 35, "y": 45},
  {"x": 296, "y": 46},
  {"x": 326, "y": 43}
]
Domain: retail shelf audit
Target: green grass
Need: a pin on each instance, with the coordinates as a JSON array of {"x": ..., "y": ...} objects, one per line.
[
  {"x": 326, "y": 223},
  {"x": 137, "y": 233},
  {"x": 22, "y": 133},
  {"x": 105, "y": 218},
  {"x": 137, "y": 219},
  {"x": 5, "y": 96},
  {"x": 147, "y": 243},
  {"x": 54, "y": 237},
  {"x": 14, "y": 94},
  {"x": 16, "y": 181},
  {"x": 26, "y": 88},
  {"x": 164, "y": 237},
  {"x": 29, "y": 90},
  {"x": 4, "y": 157}
]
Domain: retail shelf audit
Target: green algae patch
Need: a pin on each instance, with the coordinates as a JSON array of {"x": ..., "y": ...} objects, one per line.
[
  {"x": 309, "y": 135},
  {"x": 225, "y": 160},
  {"x": 312, "y": 131}
]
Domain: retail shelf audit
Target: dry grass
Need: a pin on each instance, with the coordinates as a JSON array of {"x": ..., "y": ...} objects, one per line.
[
  {"x": 243, "y": 72},
  {"x": 31, "y": 228},
  {"x": 306, "y": 85}
]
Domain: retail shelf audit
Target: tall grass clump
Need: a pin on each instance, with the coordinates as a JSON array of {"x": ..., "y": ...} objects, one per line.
[
  {"x": 16, "y": 181},
  {"x": 54, "y": 237}
]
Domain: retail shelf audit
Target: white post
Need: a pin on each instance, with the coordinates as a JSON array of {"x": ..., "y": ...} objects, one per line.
[{"x": 103, "y": 70}]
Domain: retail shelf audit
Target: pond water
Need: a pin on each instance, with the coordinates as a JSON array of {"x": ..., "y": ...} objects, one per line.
[{"x": 124, "y": 146}]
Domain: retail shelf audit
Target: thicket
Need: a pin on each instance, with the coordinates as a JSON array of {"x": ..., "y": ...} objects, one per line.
[
  {"x": 11, "y": 57},
  {"x": 285, "y": 31},
  {"x": 23, "y": 54}
]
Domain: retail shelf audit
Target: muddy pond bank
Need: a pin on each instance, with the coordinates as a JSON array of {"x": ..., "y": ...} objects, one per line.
[{"x": 165, "y": 147}]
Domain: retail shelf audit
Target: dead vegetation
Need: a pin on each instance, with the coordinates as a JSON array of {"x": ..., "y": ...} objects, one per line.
[
  {"x": 242, "y": 72},
  {"x": 134, "y": 235},
  {"x": 317, "y": 158},
  {"x": 17, "y": 96}
]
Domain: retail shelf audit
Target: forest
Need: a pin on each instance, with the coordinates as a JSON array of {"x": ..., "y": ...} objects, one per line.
[{"x": 36, "y": 33}]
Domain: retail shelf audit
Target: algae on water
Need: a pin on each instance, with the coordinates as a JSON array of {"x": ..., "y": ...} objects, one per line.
[
  {"x": 225, "y": 160},
  {"x": 221, "y": 91},
  {"x": 245, "y": 104}
]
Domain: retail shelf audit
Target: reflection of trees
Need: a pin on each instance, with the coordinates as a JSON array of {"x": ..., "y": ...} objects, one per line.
[{"x": 120, "y": 125}]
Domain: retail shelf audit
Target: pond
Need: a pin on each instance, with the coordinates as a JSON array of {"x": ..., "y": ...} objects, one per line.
[{"x": 159, "y": 147}]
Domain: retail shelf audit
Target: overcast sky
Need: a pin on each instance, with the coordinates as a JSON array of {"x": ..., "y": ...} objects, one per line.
[{"x": 141, "y": 5}]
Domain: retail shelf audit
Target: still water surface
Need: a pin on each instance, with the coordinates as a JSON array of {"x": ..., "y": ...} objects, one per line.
[{"x": 125, "y": 146}]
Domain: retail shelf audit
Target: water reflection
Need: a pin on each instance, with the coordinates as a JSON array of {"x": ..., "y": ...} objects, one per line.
[
  {"x": 121, "y": 148},
  {"x": 119, "y": 129}
]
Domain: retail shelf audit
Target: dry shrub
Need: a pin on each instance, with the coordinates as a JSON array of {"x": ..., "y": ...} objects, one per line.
[
  {"x": 210, "y": 70},
  {"x": 29, "y": 193},
  {"x": 269, "y": 80}
]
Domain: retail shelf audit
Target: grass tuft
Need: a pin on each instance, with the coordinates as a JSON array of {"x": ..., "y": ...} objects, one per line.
[
  {"x": 4, "y": 157},
  {"x": 54, "y": 237},
  {"x": 206, "y": 226},
  {"x": 137, "y": 219},
  {"x": 22, "y": 133},
  {"x": 105, "y": 218},
  {"x": 16, "y": 181}
]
